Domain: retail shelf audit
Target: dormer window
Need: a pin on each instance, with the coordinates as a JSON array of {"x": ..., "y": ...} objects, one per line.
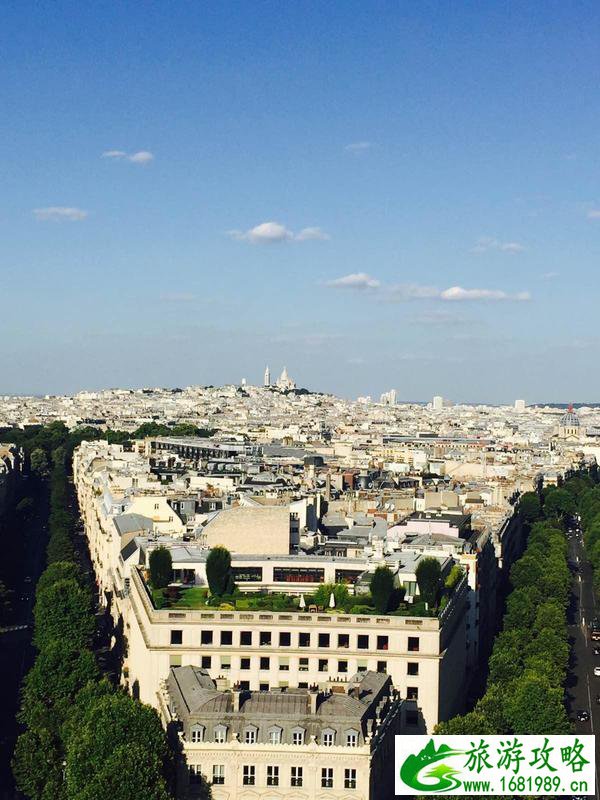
[
  {"x": 250, "y": 734},
  {"x": 197, "y": 733},
  {"x": 275, "y": 735},
  {"x": 220, "y": 733},
  {"x": 328, "y": 737},
  {"x": 298, "y": 736},
  {"x": 351, "y": 738}
]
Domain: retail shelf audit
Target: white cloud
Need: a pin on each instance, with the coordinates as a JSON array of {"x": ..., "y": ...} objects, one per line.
[
  {"x": 593, "y": 213},
  {"x": 414, "y": 291},
  {"x": 60, "y": 213},
  {"x": 114, "y": 154},
  {"x": 140, "y": 157},
  {"x": 486, "y": 243},
  {"x": 275, "y": 232},
  {"x": 308, "y": 234},
  {"x": 356, "y": 280},
  {"x": 358, "y": 147},
  {"x": 458, "y": 293}
]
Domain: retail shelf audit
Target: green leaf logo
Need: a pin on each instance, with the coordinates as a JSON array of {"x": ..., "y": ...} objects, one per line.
[{"x": 425, "y": 766}]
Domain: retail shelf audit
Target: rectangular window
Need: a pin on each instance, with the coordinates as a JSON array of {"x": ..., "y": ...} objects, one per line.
[
  {"x": 284, "y": 664},
  {"x": 244, "y": 686},
  {"x": 249, "y": 775},
  {"x": 265, "y": 662},
  {"x": 244, "y": 663},
  {"x": 323, "y": 665},
  {"x": 362, "y": 666},
  {"x": 205, "y": 662},
  {"x": 226, "y": 662},
  {"x": 176, "y": 637},
  {"x": 344, "y": 640},
  {"x": 362, "y": 641},
  {"x": 298, "y": 575},
  {"x": 303, "y": 665},
  {"x": 265, "y": 638},
  {"x": 297, "y": 776},
  {"x": 382, "y": 666},
  {"x": 382, "y": 642},
  {"x": 412, "y": 668},
  {"x": 220, "y": 734},
  {"x": 197, "y": 734},
  {"x": 328, "y": 738},
  {"x": 218, "y": 774},
  {"x": 327, "y": 777},
  {"x": 413, "y": 644},
  {"x": 297, "y": 737},
  {"x": 323, "y": 640},
  {"x": 174, "y": 661},
  {"x": 195, "y": 774},
  {"x": 275, "y": 736},
  {"x": 412, "y": 693},
  {"x": 285, "y": 639},
  {"x": 347, "y": 575},
  {"x": 349, "y": 779},
  {"x": 226, "y": 637},
  {"x": 206, "y": 637},
  {"x": 246, "y": 574},
  {"x": 351, "y": 739},
  {"x": 342, "y": 666},
  {"x": 250, "y": 736},
  {"x": 272, "y": 776},
  {"x": 304, "y": 640},
  {"x": 246, "y": 638}
]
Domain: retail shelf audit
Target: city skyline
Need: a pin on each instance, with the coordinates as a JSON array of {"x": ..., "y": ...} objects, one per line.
[{"x": 189, "y": 191}]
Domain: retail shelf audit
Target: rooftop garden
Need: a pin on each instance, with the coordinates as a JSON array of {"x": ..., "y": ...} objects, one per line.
[{"x": 384, "y": 597}]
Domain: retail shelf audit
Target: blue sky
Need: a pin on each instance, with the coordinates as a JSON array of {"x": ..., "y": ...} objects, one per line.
[{"x": 376, "y": 194}]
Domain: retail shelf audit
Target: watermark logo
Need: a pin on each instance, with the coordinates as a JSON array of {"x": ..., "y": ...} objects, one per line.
[{"x": 501, "y": 765}]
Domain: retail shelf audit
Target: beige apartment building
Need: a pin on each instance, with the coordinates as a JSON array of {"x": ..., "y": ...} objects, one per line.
[
  {"x": 260, "y": 650},
  {"x": 298, "y": 743}
]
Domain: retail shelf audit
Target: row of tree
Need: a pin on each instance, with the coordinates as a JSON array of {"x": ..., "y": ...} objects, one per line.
[
  {"x": 527, "y": 669},
  {"x": 589, "y": 509},
  {"x": 84, "y": 739}
]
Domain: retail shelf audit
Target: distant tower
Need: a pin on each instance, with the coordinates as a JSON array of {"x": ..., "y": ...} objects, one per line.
[
  {"x": 438, "y": 403},
  {"x": 267, "y": 376},
  {"x": 520, "y": 406}
]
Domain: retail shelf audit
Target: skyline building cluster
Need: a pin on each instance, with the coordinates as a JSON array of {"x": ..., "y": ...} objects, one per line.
[{"x": 310, "y": 494}]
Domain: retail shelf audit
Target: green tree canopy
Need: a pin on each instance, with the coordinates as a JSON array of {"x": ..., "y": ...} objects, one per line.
[
  {"x": 558, "y": 503},
  {"x": 63, "y": 611},
  {"x": 429, "y": 579},
  {"x": 218, "y": 571},
  {"x": 37, "y": 765},
  {"x": 323, "y": 594},
  {"x": 39, "y": 462},
  {"x": 530, "y": 507},
  {"x": 58, "y": 673},
  {"x": 58, "y": 571},
  {"x": 161, "y": 568},
  {"x": 382, "y": 588},
  {"x": 534, "y": 706},
  {"x": 109, "y": 726}
]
